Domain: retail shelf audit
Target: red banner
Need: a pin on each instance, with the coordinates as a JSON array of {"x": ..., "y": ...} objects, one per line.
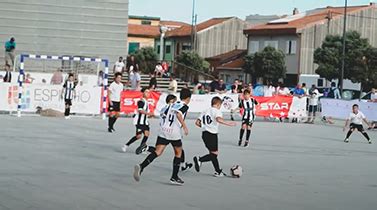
[
  {"x": 276, "y": 106},
  {"x": 129, "y": 99}
]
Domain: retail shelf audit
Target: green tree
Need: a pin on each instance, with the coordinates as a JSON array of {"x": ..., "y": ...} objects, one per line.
[
  {"x": 370, "y": 64},
  {"x": 268, "y": 64},
  {"x": 147, "y": 59},
  {"x": 329, "y": 57},
  {"x": 190, "y": 65},
  {"x": 248, "y": 67}
]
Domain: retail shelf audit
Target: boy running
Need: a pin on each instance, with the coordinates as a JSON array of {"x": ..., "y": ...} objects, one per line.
[
  {"x": 248, "y": 104},
  {"x": 68, "y": 93},
  {"x": 209, "y": 121},
  {"x": 356, "y": 117},
  {"x": 115, "y": 90},
  {"x": 141, "y": 123},
  {"x": 170, "y": 133}
]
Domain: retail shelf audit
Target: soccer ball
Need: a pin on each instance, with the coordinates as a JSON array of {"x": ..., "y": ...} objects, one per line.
[{"x": 236, "y": 171}]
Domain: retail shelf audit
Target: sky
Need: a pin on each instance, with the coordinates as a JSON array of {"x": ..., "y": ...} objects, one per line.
[{"x": 181, "y": 10}]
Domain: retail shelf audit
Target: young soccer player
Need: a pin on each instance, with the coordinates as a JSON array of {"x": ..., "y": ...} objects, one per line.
[
  {"x": 141, "y": 123},
  {"x": 209, "y": 121},
  {"x": 170, "y": 133},
  {"x": 68, "y": 93},
  {"x": 248, "y": 104},
  {"x": 115, "y": 90},
  {"x": 356, "y": 117},
  {"x": 171, "y": 99}
]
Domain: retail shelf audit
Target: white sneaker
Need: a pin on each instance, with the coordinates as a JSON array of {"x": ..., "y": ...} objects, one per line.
[
  {"x": 346, "y": 140},
  {"x": 67, "y": 117},
  {"x": 370, "y": 141},
  {"x": 219, "y": 174},
  {"x": 124, "y": 148}
]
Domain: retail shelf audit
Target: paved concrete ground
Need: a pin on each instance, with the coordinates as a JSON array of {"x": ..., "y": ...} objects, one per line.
[{"x": 53, "y": 164}]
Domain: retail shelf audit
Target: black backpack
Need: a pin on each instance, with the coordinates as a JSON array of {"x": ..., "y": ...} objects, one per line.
[{"x": 331, "y": 93}]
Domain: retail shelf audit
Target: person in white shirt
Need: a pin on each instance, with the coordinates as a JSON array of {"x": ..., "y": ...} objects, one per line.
[
  {"x": 269, "y": 90},
  {"x": 209, "y": 121},
  {"x": 373, "y": 95},
  {"x": 313, "y": 103},
  {"x": 356, "y": 118},
  {"x": 119, "y": 66},
  {"x": 115, "y": 91},
  {"x": 135, "y": 79},
  {"x": 173, "y": 86}
]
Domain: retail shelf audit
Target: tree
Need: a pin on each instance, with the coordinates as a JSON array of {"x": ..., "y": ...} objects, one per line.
[
  {"x": 147, "y": 59},
  {"x": 329, "y": 57},
  {"x": 370, "y": 62},
  {"x": 268, "y": 64},
  {"x": 191, "y": 61}
]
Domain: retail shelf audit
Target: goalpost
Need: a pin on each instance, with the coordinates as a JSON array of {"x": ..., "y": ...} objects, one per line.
[{"x": 98, "y": 61}]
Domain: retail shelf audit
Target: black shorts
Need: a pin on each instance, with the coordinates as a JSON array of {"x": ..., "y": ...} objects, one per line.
[
  {"x": 210, "y": 140},
  {"x": 357, "y": 126},
  {"x": 248, "y": 122},
  {"x": 115, "y": 107},
  {"x": 163, "y": 141},
  {"x": 68, "y": 102},
  {"x": 313, "y": 108},
  {"x": 141, "y": 128}
]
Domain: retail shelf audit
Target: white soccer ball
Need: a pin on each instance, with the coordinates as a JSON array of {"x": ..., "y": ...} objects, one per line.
[{"x": 236, "y": 171}]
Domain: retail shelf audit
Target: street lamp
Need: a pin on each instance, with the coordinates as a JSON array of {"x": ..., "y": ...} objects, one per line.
[{"x": 344, "y": 47}]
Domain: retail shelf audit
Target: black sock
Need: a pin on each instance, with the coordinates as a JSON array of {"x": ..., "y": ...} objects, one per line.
[
  {"x": 205, "y": 158},
  {"x": 111, "y": 122},
  {"x": 248, "y": 132},
  {"x": 348, "y": 134},
  {"x": 365, "y": 135},
  {"x": 144, "y": 141},
  {"x": 241, "y": 133},
  {"x": 132, "y": 140},
  {"x": 148, "y": 160},
  {"x": 176, "y": 164},
  {"x": 215, "y": 162},
  {"x": 151, "y": 149},
  {"x": 183, "y": 156},
  {"x": 67, "y": 110}
]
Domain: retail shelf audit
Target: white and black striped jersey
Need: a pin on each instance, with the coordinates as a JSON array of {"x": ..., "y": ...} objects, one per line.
[
  {"x": 141, "y": 119},
  {"x": 68, "y": 88},
  {"x": 248, "y": 107},
  {"x": 170, "y": 127}
]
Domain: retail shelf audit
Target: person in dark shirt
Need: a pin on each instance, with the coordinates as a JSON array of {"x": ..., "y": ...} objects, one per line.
[
  {"x": 214, "y": 85},
  {"x": 222, "y": 87},
  {"x": 153, "y": 82}
]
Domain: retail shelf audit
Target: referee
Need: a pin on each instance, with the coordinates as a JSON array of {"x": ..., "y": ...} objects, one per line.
[{"x": 115, "y": 91}]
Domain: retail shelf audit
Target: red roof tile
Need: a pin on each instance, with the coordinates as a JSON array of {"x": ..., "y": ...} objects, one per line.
[
  {"x": 173, "y": 23},
  {"x": 143, "y": 30},
  {"x": 186, "y": 30},
  {"x": 292, "y": 27},
  {"x": 234, "y": 64},
  {"x": 228, "y": 55}
]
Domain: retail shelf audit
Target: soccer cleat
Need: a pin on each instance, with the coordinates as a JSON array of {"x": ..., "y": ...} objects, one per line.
[
  {"x": 141, "y": 149},
  {"x": 231, "y": 118},
  {"x": 137, "y": 173},
  {"x": 177, "y": 181},
  {"x": 219, "y": 174},
  {"x": 110, "y": 130},
  {"x": 67, "y": 117},
  {"x": 113, "y": 130},
  {"x": 370, "y": 141},
  {"x": 346, "y": 140},
  {"x": 124, "y": 148},
  {"x": 239, "y": 143},
  {"x": 186, "y": 166},
  {"x": 246, "y": 144},
  {"x": 197, "y": 164}
]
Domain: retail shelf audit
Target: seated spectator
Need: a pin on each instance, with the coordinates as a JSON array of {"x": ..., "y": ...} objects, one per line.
[
  {"x": 373, "y": 95},
  {"x": 173, "y": 85},
  {"x": 57, "y": 77},
  {"x": 29, "y": 79},
  {"x": 119, "y": 66},
  {"x": 158, "y": 70},
  {"x": 283, "y": 91},
  {"x": 214, "y": 85}
]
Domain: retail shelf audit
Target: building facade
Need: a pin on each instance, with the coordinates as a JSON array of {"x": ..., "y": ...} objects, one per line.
[
  {"x": 71, "y": 27},
  {"x": 300, "y": 34}
]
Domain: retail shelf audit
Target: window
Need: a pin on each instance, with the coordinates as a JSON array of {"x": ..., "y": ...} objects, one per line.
[
  {"x": 146, "y": 22},
  {"x": 133, "y": 46},
  {"x": 274, "y": 44},
  {"x": 291, "y": 47},
  {"x": 186, "y": 46},
  {"x": 253, "y": 46},
  {"x": 167, "y": 49},
  {"x": 158, "y": 49}
]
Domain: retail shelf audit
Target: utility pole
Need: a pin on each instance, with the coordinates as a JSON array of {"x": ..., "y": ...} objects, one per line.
[
  {"x": 193, "y": 25},
  {"x": 344, "y": 48}
]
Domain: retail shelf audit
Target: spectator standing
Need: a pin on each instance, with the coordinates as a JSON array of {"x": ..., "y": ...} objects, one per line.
[
  {"x": 57, "y": 77},
  {"x": 222, "y": 87},
  {"x": 373, "y": 95},
  {"x": 100, "y": 78},
  {"x": 298, "y": 92},
  {"x": 283, "y": 91},
  {"x": 8, "y": 74},
  {"x": 132, "y": 64},
  {"x": 214, "y": 85},
  {"x": 313, "y": 103},
  {"x": 119, "y": 66},
  {"x": 269, "y": 90},
  {"x": 135, "y": 80},
  {"x": 236, "y": 87},
  {"x": 334, "y": 92},
  {"x": 153, "y": 82},
  {"x": 303, "y": 87},
  {"x": 10, "y": 48},
  {"x": 173, "y": 86}
]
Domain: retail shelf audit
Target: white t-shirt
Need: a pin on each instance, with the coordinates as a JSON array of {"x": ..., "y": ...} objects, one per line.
[
  {"x": 313, "y": 100},
  {"x": 283, "y": 91},
  {"x": 116, "y": 90},
  {"x": 356, "y": 118},
  {"x": 170, "y": 127},
  {"x": 135, "y": 78},
  {"x": 208, "y": 120},
  {"x": 173, "y": 86},
  {"x": 373, "y": 96},
  {"x": 269, "y": 91},
  {"x": 119, "y": 66}
]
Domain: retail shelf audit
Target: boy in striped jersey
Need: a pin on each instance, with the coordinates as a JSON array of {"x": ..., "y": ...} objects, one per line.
[
  {"x": 68, "y": 94},
  {"x": 170, "y": 133},
  {"x": 248, "y": 104},
  {"x": 141, "y": 123},
  {"x": 209, "y": 121}
]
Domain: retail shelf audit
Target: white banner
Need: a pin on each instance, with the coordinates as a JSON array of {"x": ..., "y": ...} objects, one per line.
[
  {"x": 341, "y": 109},
  {"x": 49, "y": 96}
]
